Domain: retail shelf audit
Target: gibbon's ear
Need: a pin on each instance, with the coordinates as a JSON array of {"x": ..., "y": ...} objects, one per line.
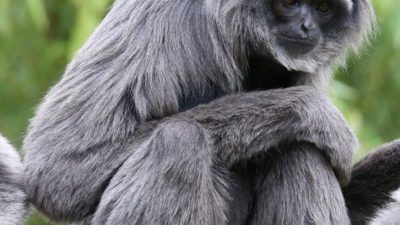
[
  {"x": 13, "y": 202},
  {"x": 371, "y": 196}
]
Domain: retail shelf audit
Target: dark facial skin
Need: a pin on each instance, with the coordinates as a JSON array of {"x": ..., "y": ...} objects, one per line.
[{"x": 299, "y": 23}]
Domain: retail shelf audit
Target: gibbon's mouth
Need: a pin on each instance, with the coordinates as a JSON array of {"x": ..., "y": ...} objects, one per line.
[
  {"x": 297, "y": 46},
  {"x": 265, "y": 73},
  {"x": 306, "y": 41}
]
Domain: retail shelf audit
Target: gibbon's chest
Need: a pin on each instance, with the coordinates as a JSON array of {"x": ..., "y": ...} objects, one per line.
[{"x": 198, "y": 97}]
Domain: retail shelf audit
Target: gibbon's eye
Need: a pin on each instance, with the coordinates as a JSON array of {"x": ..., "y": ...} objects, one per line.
[
  {"x": 291, "y": 2},
  {"x": 323, "y": 7}
]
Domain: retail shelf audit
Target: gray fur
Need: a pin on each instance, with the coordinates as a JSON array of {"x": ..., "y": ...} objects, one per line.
[
  {"x": 133, "y": 114},
  {"x": 13, "y": 204},
  {"x": 262, "y": 116},
  {"x": 317, "y": 200},
  {"x": 374, "y": 179},
  {"x": 390, "y": 215}
]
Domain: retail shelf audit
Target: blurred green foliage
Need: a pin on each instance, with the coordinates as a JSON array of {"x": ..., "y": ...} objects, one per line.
[
  {"x": 39, "y": 37},
  {"x": 368, "y": 91}
]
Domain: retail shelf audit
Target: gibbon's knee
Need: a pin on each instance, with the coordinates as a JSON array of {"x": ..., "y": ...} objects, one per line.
[
  {"x": 182, "y": 139},
  {"x": 183, "y": 150},
  {"x": 169, "y": 180}
]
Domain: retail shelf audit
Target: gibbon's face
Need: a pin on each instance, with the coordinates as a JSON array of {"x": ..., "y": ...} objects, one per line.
[
  {"x": 299, "y": 24},
  {"x": 302, "y": 35},
  {"x": 306, "y": 32}
]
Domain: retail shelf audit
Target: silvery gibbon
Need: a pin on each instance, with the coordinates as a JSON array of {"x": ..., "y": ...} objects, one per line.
[{"x": 200, "y": 112}]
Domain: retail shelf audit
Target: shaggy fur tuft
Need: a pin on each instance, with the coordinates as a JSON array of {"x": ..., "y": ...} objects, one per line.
[{"x": 13, "y": 204}]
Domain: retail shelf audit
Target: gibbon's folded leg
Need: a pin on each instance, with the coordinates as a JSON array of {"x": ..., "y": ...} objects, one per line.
[
  {"x": 231, "y": 131},
  {"x": 70, "y": 161},
  {"x": 375, "y": 177},
  {"x": 13, "y": 202},
  {"x": 172, "y": 179},
  {"x": 298, "y": 188}
]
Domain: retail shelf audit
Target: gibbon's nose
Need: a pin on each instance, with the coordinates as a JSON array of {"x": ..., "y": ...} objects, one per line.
[{"x": 307, "y": 27}]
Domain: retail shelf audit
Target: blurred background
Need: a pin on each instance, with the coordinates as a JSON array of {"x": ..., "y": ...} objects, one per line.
[{"x": 39, "y": 37}]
